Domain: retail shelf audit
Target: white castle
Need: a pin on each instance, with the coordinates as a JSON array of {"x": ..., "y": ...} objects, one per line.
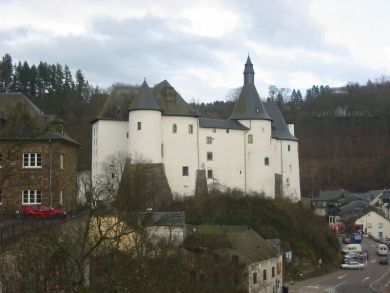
[{"x": 254, "y": 150}]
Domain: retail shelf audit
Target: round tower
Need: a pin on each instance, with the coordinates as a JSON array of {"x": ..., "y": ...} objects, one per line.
[
  {"x": 250, "y": 112},
  {"x": 145, "y": 136}
]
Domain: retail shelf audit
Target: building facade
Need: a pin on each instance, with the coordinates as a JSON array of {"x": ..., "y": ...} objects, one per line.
[
  {"x": 38, "y": 161},
  {"x": 254, "y": 150}
]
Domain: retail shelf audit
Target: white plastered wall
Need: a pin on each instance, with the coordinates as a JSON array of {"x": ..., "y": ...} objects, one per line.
[
  {"x": 108, "y": 137},
  {"x": 374, "y": 223},
  {"x": 290, "y": 170},
  {"x": 260, "y": 177},
  {"x": 180, "y": 150},
  {"x": 145, "y": 143},
  {"x": 227, "y": 162}
]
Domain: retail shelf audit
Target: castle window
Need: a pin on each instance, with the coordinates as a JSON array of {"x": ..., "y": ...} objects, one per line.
[
  {"x": 127, "y": 135},
  {"x": 288, "y": 148},
  {"x": 32, "y": 160},
  {"x": 32, "y": 196},
  {"x": 209, "y": 140},
  {"x": 209, "y": 156},
  {"x": 139, "y": 126},
  {"x": 227, "y": 130},
  {"x": 174, "y": 128},
  {"x": 257, "y": 109},
  {"x": 273, "y": 272},
  {"x": 250, "y": 138},
  {"x": 185, "y": 171},
  {"x": 62, "y": 161},
  {"x": 214, "y": 130},
  {"x": 254, "y": 278},
  {"x": 190, "y": 129},
  {"x": 288, "y": 181},
  {"x": 264, "y": 275},
  {"x": 266, "y": 161},
  {"x": 210, "y": 174}
]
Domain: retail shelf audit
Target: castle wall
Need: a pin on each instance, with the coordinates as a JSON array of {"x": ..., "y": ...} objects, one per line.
[
  {"x": 260, "y": 175},
  {"x": 180, "y": 149},
  {"x": 290, "y": 171},
  {"x": 145, "y": 136},
  {"x": 108, "y": 137},
  {"x": 227, "y": 162}
]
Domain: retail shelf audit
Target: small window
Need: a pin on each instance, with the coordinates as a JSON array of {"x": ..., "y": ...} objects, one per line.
[
  {"x": 288, "y": 148},
  {"x": 190, "y": 129},
  {"x": 209, "y": 156},
  {"x": 266, "y": 161},
  {"x": 257, "y": 109},
  {"x": 1, "y": 160},
  {"x": 288, "y": 181},
  {"x": 209, "y": 140},
  {"x": 60, "y": 199},
  {"x": 32, "y": 196},
  {"x": 214, "y": 130},
  {"x": 264, "y": 275},
  {"x": 235, "y": 258},
  {"x": 254, "y": 278},
  {"x": 62, "y": 161},
  {"x": 250, "y": 138},
  {"x": 174, "y": 128},
  {"x": 380, "y": 225},
  {"x": 273, "y": 272},
  {"x": 227, "y": 130},
  {"x": 210, "y": 174},
  {"x": 1, "y": 197},
  {"x": 323, "y": 204},
  {"x": 185, "y": 171},
  {"x": 162, "y": 150},
  {"x": 127, "y": 135},
  {"x": 32, "y": 160},
  {"x": 139, "y": 126}
]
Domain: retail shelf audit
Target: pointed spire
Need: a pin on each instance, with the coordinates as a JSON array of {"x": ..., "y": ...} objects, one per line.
[
  {"x": 249, "y": 73},
  {"x": 145, "y": 99}
]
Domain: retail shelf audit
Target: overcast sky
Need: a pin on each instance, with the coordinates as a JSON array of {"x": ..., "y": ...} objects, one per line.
[{"x": 200, "y": 47}]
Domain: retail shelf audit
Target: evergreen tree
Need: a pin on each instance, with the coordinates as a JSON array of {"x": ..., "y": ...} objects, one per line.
[{"x": 6, "y": 73}]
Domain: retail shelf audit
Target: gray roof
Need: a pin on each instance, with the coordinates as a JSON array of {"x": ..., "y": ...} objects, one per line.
[
  {"x": 249, "y": 105},
  {"x": 353, "y": 207},
  {"x": 9, "y": 99},
  {"x": 221, "y": 123},
  {"x": 279, "y": 127},
  {"x": 168, "y": 218},
  {"x": 250, "y": 246},
  {"x": 332, "y": 195},
  {"x": 144, "y": 100}
]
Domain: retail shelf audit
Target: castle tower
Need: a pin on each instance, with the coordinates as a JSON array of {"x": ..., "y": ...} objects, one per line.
[
  {"x": 250, "y": 112},
  {"x": 145, "y": 136}
]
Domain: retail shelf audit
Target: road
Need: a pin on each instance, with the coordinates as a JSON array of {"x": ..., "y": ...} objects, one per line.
[{"x": 375, "y": 278}]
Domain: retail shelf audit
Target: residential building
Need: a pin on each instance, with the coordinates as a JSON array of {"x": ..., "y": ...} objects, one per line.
[
  {"x": 375, "y": 224},
  {"x": 38, "y": 160},
  {"x": 253, "y": 151},
  {"x": 259, "y": 262}
]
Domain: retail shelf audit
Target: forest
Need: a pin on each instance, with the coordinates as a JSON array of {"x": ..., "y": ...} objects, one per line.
[{"x": 344, "y": 132}]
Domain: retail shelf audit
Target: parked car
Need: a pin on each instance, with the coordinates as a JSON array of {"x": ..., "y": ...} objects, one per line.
[
  {"x": 381, "y": 249},
  {"x": 353, "y": 256},
  {"x": 352, "y": 248},
  {"x": 41, "y": 211},
  {"x": 347, "y": 239},
  {"x": 383, "y": 260},
  {"x": 353, "y": 265}
]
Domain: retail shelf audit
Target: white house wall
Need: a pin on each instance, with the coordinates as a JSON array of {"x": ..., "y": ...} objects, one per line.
[
  {"x": 373, "y": 223},
  {"x": 108, "y": 137},
  {"x": 290, "y": 169},
  {"x": 227, "y": 164},
  {"x": 180, "y": 150}
]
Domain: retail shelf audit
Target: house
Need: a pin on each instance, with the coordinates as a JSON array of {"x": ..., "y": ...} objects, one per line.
[
  {"x": 254, "y": 150},
  {"x": 259, "y": 262},
  {"x": 38, "y": 160},
  {"x": 329, "y": 201},
  {"x": 375, "y": 224}
]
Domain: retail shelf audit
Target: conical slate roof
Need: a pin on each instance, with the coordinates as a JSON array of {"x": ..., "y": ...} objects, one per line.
[
  {"x": 144, "y": 100},
  {"x": 249, "y": 105},
  {"x": 279, "y": 127}
]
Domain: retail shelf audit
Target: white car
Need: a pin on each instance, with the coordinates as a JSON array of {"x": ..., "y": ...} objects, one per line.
[{"x": 353, "y": 265}]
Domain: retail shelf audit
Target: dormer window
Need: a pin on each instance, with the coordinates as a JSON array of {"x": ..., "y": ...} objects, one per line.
[
  {"x": 257, "y": 109},
  {"x": 170, "y": 94}
]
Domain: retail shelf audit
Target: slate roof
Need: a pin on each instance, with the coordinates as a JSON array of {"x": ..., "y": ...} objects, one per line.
[
  {"x": 168, "y": 218},
  {"x": 332, "y": 195},
  {"x": 31, "y": 123},
  {"x": 122, "y": 96},
  {"x": 221, "y": 123},
  {"x": 144, "y": 100},
  {"x": 250, "y": 246},
  {"x": 279, "y": 127},
  {"x": 249, "y": 105}
]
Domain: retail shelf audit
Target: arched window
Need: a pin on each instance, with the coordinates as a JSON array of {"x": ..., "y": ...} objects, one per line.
[{"x": 174, "y": 128}]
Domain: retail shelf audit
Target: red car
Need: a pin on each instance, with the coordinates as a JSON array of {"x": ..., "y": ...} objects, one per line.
[{"x": 42, "y": 211}]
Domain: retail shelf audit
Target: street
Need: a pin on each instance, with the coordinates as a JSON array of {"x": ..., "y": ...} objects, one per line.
[{"x": 375, "y": 278}]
